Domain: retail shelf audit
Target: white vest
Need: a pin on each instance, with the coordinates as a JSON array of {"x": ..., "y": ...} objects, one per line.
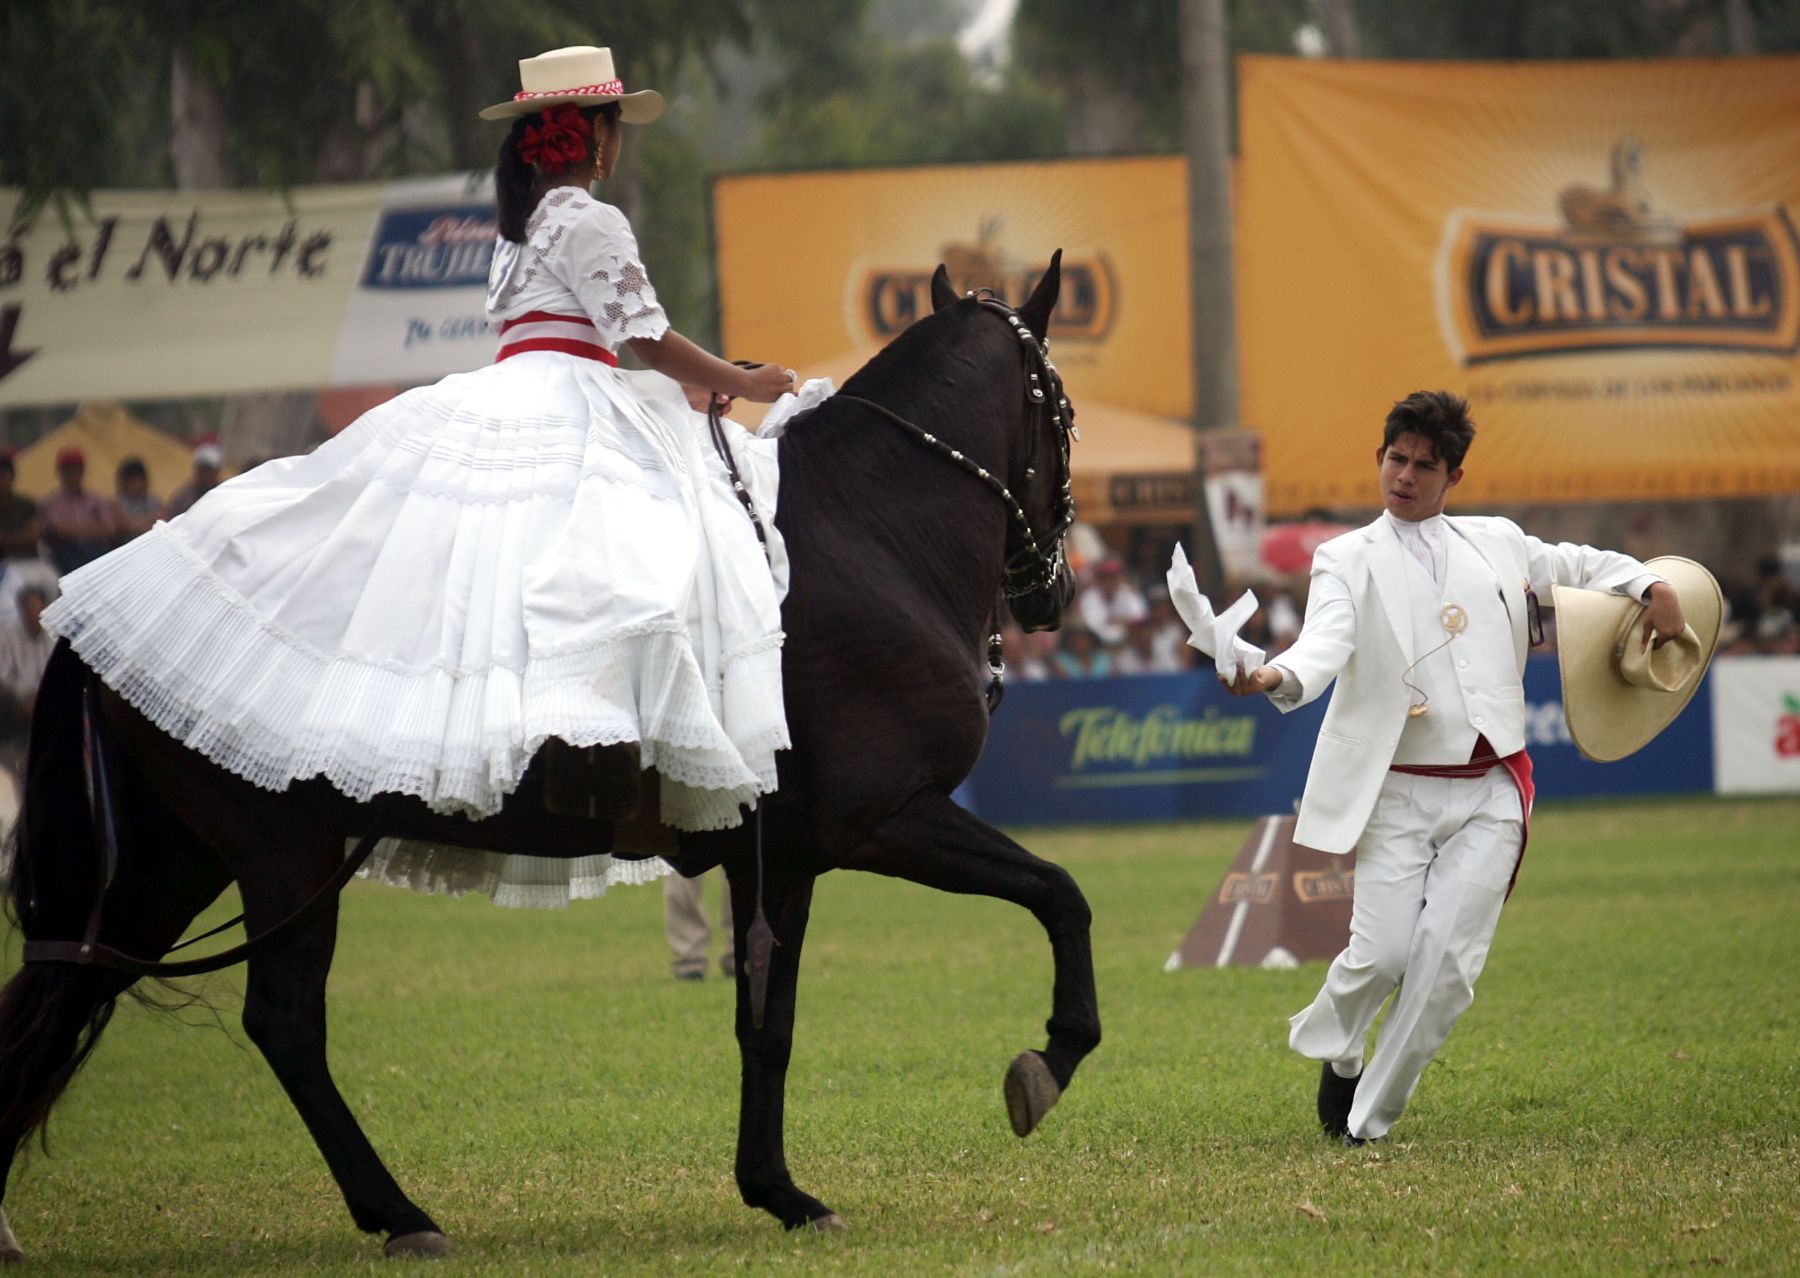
[{"x": 1472, "y": 682}]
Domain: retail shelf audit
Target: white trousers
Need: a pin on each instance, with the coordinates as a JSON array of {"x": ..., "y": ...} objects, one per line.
[
  {"x": 1432, "y": 869},
  {"x": 686, "y": 925}
]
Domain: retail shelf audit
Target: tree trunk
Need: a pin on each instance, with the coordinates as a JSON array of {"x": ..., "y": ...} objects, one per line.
[
  {"x": 255, "y": 427},
  {"x": 1206, "y": 130},
  {"x": 1103, "y": 119},
  {"x": 196, "y": 128},
  {"x": 1740, "y": 27},
  {"x": 1343, "y": 39}
]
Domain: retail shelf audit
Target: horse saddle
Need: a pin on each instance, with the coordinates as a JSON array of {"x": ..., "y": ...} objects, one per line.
[{"x": 606, "y": 783}]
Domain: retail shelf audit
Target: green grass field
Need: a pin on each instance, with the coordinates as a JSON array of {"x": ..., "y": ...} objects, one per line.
[{"x": 1620, "y": 1099}]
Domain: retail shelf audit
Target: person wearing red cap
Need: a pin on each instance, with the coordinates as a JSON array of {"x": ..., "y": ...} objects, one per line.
[{"x": 79, "y": 526}]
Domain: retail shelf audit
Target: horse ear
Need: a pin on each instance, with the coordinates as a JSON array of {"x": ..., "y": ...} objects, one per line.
[
  {"x": 1037, "y": 308},
  {"x": 942, "y": 294}
]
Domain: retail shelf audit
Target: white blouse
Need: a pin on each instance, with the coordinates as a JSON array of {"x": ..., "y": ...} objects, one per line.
[{"x": 579, "y": 257}]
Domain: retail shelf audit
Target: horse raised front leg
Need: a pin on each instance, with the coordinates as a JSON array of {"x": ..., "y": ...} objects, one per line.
[
  {"x": 933, "y": 842},
  {"x": 284, "y": 1014},
  {"x": 762, "y": 1170}
]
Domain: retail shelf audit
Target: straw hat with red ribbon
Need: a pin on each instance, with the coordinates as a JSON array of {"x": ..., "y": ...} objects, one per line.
[{"x": 580, "y": 74}]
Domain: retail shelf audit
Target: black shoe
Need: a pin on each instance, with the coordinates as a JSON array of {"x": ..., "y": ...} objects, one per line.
[
  {"x": 690, "y": 973},
  {"x": 1335, "y": 1097},
  {"x": 1353, "y": 1142}
]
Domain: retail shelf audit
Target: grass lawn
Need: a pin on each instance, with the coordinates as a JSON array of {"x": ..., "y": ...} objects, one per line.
[{"x": 1622, "y": 1098}]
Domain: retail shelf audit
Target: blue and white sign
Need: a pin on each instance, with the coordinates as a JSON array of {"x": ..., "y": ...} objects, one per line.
[
  {"x": 418, "y": 310},
  {"x": 1174, "y": 747}
]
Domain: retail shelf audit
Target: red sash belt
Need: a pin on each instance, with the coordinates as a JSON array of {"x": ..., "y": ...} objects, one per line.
[
  {"x": 1481, "y": 759},
  {"x": 543, "y": 331}
]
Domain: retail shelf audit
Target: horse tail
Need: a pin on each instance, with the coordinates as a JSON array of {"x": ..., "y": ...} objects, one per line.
[{"x": 51, "y": 1014}]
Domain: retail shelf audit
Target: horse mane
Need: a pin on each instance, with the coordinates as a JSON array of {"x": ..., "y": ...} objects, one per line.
[{"x": 891, "y": 375}]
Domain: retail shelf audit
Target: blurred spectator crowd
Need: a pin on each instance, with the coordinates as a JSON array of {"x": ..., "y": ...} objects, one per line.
[
  {"x": 1762, "y": 614},
  {"x": 41, "y": 541},
  {"x": 1122, "y": 621}
]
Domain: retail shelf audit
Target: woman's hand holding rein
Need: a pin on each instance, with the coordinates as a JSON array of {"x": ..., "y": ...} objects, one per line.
[
  {"x": 768, "y": 382},
  {"x": 674, "y": 356}
]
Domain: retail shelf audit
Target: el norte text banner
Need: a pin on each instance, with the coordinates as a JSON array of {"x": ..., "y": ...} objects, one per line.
[
  {"x": 1601, "y": 257},
  {"x": 153, "y": 294}
]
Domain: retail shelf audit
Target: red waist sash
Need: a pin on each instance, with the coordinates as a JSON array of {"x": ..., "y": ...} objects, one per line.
[
  {"x": 1481, "y": 759},
  {"x": 543, "y": 331}
]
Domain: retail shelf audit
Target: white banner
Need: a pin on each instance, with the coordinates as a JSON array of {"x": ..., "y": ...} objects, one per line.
[
  {"x": 417, "y": 310},
  {"x": 1756, "y": 725},
  {"x": 160, "y": 294}
]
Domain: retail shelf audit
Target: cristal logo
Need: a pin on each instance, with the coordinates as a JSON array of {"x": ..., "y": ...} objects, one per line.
[
  {"x": 889, "y": 296},
  {"x": 1615, "y": 272},
  {"x": 1253, "y": 888},
  {"x": 1787, "y": 728},
  {"x": 1315, "y": 887}
]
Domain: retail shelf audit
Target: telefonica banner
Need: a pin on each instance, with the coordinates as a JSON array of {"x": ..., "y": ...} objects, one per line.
[
  {"x": 1177, "y": 746},
  {"x": 1602, "y": 257},
  {"x": 152, "y": 294}
]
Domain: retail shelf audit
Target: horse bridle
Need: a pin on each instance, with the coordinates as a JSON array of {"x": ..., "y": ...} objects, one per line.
[{"x": 1042, "y": 560}]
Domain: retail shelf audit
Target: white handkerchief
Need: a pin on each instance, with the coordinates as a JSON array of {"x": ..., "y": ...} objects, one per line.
[
  {"x": 791, "y": 405},
  {"x": 1215, "y": 635}
]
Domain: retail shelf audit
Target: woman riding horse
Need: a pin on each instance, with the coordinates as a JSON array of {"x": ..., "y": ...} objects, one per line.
[{"x": 935, "y": 482}]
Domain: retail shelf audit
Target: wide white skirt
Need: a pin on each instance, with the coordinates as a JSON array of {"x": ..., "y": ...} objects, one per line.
[{"x": 546, "y": 547}]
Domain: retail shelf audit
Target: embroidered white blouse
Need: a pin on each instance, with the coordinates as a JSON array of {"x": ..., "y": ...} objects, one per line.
[{"x": 579, "y": 257}]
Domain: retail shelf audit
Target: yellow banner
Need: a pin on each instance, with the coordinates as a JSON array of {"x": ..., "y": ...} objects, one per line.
[
  {"x": 820, "y": 270},
  {"x": 1601, "y": 256}
]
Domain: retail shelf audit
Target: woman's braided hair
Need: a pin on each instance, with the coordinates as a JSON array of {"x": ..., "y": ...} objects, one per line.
[{"x": 516, "y": 189}]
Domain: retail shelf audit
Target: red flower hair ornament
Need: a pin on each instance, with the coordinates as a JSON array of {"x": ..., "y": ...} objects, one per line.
[{"x": 560, "y": 140}]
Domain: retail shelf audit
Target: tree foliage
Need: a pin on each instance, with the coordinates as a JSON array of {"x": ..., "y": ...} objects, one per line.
[
  {"x": 300, "y": 84},
  {"x": 1555, "y": 29},
  {"x": 1134, "y": 54}
]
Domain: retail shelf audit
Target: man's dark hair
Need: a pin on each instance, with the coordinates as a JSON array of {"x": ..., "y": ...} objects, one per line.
[
  {"x": 132, "y": 468},
  {"x": 1437, "y": 417}
]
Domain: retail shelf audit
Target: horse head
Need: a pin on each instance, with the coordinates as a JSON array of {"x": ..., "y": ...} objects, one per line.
[{"x": 1039, "y": 585}]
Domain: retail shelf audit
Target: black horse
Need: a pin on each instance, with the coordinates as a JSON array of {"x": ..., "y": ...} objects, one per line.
[{"x": 937, "y": 478}]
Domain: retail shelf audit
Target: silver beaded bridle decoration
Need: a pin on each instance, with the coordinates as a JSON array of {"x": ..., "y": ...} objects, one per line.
[{"x": 1040, "y": 562}]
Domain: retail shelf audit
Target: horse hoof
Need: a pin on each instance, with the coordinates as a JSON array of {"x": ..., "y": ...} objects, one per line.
[
  {"x": 829, "y": 1223},
  {"x": 1031, "y": 1090},
  {"x": 425, "y": 1242},
  {"x": 10, "y": 1252}
]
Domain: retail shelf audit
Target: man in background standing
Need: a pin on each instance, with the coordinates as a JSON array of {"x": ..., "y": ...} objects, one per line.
[
  {"x": 79, "y": 526},
  {"x": 136, "y": 508},
  {"x": 24, "y": 651},
  {"x": 208, "y": 458},
  {"x": 21, "y": 529}
]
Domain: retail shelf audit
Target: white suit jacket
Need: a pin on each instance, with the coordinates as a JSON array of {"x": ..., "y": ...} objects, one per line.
[{"x": 1359, "y": 632}]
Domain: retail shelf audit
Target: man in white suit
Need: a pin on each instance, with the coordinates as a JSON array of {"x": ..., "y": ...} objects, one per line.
[{"x": 1424, "y": 621}]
